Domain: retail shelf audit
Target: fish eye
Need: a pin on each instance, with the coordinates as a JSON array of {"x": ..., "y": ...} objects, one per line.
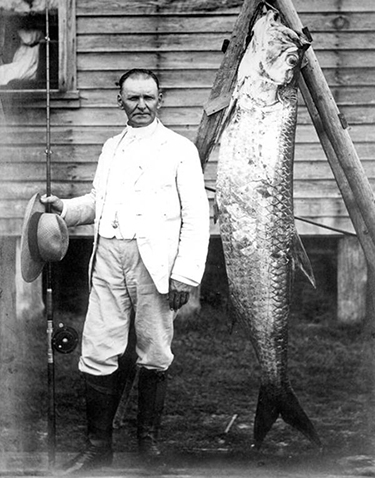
[{"x": 292, "y": 60}]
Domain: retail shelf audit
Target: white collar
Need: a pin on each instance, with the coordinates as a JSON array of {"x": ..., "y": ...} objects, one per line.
[{"x": 143, "y": 132}]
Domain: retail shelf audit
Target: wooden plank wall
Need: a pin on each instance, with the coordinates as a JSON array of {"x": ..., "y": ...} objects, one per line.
[{"x": 182, "y": 42}]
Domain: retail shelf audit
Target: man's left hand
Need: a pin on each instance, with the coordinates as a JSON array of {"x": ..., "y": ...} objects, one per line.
[{"x": 179, "y": 293}]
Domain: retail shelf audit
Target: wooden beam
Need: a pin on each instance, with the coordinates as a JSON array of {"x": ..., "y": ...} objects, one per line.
[
  {"x": 334, "y": 125},
  {"x": 21, "y": 351},
  {"x": 67, "y": 45},
  {"x": 351, "y": 282},
  {"x": 342, "y": 182},
  {"x": 224, "y": 82}
]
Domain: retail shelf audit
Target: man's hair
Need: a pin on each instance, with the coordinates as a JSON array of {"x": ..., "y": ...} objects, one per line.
[{"x": 138, "y": 73}]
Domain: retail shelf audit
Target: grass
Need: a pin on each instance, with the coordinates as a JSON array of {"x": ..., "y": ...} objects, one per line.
[{"x": 215, "y": 375}]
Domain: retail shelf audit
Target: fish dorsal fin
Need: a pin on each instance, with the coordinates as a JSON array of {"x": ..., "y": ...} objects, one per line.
[{"x": 301, "y": 259}]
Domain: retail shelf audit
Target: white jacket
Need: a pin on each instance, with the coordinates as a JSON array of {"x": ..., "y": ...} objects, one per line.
[{"x": 172, "y": 225}]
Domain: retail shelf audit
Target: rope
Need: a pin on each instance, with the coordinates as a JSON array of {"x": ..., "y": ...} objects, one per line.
[
  {"x": 341, "y": 231},
  {"x": 303, "y": 219}
]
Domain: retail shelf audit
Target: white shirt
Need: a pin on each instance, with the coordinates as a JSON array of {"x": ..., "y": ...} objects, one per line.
[{"x": 119, "y": 213}]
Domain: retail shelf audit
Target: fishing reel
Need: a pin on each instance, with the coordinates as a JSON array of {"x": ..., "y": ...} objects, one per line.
[{"x": 65, "y": 339}]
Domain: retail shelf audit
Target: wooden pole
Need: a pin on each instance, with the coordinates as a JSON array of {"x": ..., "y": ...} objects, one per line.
[
  {"x": 334, "y": 125},
  {"x": 224, "y": 83},
  {"x": 342, "y": 182}
]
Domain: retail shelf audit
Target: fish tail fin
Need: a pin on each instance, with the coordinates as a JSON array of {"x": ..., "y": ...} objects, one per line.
[
  {"x": 293, "y": 414},
  {"x": 266, "y": 414},
  {"x": 271, "y": 404}
]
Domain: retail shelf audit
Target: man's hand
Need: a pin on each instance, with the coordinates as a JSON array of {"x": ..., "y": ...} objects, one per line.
[
  {"x": 178, "y": 294},
  {"x": 55, "y": 202}
]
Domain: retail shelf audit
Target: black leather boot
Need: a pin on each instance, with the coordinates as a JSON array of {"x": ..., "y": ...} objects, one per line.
[
  {"x": 101, "y": 403},
  {"x": 152, "y": 387}
]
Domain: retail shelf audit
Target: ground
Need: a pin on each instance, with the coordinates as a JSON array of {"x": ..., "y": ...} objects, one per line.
[{"x": 213, "y": 382}]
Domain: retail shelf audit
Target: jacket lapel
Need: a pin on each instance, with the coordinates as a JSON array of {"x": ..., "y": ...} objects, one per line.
[{"x": 113, "y": 153}]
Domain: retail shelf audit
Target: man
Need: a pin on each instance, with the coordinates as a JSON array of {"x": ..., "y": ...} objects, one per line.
[{"x": 151, "y": 219}]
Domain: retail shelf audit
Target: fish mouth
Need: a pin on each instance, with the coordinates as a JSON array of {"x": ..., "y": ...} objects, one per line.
[{"x": 289, "y": 76}]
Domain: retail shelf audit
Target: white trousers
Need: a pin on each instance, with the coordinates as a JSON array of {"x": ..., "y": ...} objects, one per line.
[{"x": 122, "y": 285}]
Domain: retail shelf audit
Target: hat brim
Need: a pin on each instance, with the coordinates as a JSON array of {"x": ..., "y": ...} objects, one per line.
[{"x": 31, "y": 267}]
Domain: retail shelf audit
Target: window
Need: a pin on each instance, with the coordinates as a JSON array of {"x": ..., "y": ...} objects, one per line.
[
  {"x": 23, "y": 47},
  {"x": 23, "y": 52}
]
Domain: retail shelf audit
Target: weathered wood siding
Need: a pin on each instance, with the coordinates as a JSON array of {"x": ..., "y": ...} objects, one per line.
[{"x": 182, "y": 43}]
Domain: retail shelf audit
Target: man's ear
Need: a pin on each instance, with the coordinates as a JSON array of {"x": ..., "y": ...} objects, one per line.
[
  {"x": 120, "y": 103},
  {"x": 160, "y": 100}
]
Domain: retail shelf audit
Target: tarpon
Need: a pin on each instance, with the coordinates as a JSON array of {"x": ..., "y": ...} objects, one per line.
[{"x": 254, "y": 194}]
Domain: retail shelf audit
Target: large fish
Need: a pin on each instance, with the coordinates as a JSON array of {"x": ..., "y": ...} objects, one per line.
[{"x": 254, "y": 195}]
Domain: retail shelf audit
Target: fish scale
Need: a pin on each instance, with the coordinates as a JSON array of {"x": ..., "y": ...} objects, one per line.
[{"x": 254, "y": 195}]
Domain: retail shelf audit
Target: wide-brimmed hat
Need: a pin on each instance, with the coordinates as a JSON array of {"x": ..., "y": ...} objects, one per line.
[{"x": 45, "y": 238}]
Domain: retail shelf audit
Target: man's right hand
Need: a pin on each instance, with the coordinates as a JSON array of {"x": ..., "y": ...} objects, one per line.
[{"x": 56, "y": 203}]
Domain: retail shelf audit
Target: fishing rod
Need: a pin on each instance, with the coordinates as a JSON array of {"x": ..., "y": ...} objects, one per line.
[
  {"x": 65, "y": 339},
  {"x": 49, "y": 301}
]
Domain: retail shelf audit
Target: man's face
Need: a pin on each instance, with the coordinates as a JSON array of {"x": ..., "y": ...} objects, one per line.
[{"x": 140, "y": 99}]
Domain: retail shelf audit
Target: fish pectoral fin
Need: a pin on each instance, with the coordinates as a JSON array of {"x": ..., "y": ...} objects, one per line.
[
  {"x": 301, "y": 259},
  {"x": 227, "y": 117},
  {"x": 216, "y": 210}
]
